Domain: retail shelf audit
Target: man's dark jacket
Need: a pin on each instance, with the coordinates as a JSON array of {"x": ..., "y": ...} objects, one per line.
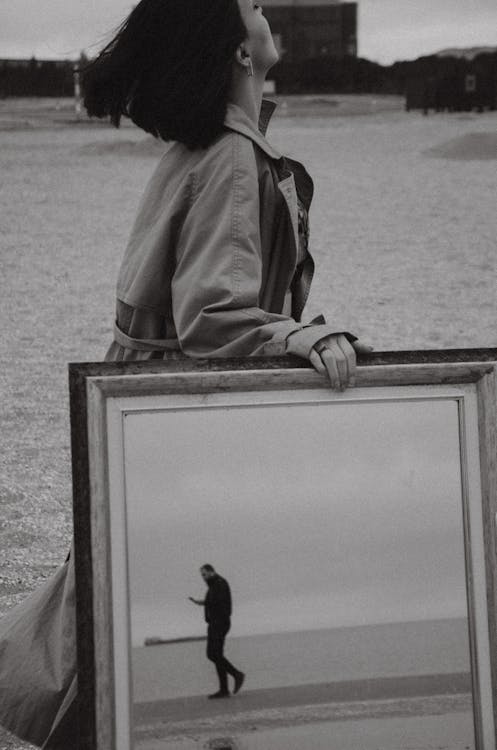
[{"x": 218, "y": 601}]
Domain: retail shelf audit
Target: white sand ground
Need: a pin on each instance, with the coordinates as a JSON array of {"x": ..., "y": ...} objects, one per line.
[
  {"x": 374, "y": 726},
  {"x": 429, "y": 733},
  {"x": 404, "y": 240}
]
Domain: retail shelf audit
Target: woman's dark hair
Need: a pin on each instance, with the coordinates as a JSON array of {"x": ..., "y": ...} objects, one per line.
[{"x": 168, "y": 68}]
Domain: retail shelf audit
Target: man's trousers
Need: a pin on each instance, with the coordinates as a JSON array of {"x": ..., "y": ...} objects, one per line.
[{"x": 216, "y": 636}]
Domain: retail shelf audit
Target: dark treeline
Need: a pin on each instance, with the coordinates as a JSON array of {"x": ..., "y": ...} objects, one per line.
[
  {"x": 452, "y": 84},
  {"x": 434, "y": 81},
  {"x": 429, "y": 82},
  {"x": 36, "y": 78}
]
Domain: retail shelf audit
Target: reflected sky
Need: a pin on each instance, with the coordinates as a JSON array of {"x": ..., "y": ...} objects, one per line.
[{"x": 318, "y": 515}]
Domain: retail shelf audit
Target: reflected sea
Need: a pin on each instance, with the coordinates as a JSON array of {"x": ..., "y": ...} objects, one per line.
[{"x": 435, "y": 647}]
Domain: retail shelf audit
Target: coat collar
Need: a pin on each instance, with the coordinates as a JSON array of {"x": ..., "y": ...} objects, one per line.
[{"x": 237, "y": 119}]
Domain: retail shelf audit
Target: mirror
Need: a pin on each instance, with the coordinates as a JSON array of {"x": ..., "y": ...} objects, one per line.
[{"x": 349, "y": 527}]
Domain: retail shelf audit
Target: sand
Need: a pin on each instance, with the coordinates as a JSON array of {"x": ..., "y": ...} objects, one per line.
[
  {"x": 284, "y": 717},
  {"x": 429, "y": 733},
  {"x": 470, "y": 146},
  {"x": 401, "y": 724},
  {"x": 371, "y": 690},
  {"x": 404, "y": 243},
  {"x": 400, "y": 733}
]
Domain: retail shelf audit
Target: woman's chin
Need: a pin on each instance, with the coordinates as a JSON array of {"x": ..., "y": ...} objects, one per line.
[{"x": 272, "y": 61}]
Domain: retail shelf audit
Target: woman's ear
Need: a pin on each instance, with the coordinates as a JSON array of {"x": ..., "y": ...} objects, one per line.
[{"x": 242, "y": 57}]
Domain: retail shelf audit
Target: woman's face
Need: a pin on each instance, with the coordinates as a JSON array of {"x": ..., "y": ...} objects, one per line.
[{"x": 259, "y": 43}]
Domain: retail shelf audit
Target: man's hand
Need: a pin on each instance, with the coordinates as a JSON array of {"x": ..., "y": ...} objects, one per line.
[
  {"x": 335, "y": 356},
  {"x": 200, "y": 602}
]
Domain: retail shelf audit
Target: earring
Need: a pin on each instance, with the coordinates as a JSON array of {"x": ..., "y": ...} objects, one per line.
[{"x": 250, "y": 69}]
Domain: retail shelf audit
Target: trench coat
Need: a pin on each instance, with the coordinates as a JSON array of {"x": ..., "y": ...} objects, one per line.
[
  {"x": 211, "y": 265},
  {"x": 210, "y": 269}
]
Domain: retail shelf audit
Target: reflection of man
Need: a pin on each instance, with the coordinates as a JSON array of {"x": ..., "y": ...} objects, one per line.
[{"x": 217, "y": 606}]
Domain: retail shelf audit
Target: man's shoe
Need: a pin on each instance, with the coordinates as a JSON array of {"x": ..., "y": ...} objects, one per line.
[
  {"x": 239, "y": 680},
  {"x": 219, "y": 694}
]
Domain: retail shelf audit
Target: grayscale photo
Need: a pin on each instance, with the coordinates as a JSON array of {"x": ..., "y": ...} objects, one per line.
[{"x": 248, "y": 491}]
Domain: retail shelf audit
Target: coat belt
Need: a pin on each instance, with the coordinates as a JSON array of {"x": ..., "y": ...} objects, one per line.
[{"x": 144, "y": 345}]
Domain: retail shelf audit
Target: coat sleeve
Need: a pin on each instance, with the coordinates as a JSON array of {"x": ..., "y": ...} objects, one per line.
[
  {"x": 223, "y": 599},
  {"x": 218, "y": 275}
]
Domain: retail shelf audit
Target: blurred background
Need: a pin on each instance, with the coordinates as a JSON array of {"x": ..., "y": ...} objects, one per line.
[{"x": 438, "y": 54}]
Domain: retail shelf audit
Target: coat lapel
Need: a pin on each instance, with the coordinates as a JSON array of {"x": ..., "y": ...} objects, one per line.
[
  {"x": 286, "y": 186},
  {"x": 236, "y": 119}
]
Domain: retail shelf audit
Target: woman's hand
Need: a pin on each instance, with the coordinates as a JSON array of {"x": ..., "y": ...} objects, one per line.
[{"x": 336, "y": 356}]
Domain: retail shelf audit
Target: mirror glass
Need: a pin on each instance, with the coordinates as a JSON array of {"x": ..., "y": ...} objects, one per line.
[{"x": 339, "y": 528}]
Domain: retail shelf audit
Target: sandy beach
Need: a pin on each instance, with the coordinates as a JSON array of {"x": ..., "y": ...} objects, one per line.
[
  {"x": 403, "y": 229},
  {"x": 397, "y": 723},
  {"x": 401, "y": 731},
  {"x": 283, "y": 688},
  {"x": 357, "y": 661},
  {"x": 428, "y": 732},
  {"x": 294, "y": 697}
]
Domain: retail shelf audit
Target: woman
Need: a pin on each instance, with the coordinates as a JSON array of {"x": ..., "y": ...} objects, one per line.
[{"x": 217, "y": 265}]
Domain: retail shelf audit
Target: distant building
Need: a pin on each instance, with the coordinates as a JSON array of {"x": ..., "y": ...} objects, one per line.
[{"x": 304, "y": 29}]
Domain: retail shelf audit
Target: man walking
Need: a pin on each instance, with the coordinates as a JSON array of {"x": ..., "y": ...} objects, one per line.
[{"x": 217, "y": 608}]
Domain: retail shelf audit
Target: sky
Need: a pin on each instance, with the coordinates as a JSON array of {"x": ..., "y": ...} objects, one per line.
[
  {"x": 319, "y": 516},
  {"x": 387, "y": 29}
]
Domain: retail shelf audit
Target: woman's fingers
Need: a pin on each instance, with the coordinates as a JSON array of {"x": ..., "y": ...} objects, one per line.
[
  {"x": 340, "y": 360},
  {"x": 350, "y": 355},
  {"x": 338, "y": 357},
  {"x": 346, "y": 360},
  {"x": 316, "y": 362},
  {"x": 362, "y": 348},
  {"x": 329, "y": 360}
]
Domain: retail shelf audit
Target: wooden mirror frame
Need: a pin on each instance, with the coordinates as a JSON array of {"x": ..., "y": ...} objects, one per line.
[{"x": 92, "y": 384}]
